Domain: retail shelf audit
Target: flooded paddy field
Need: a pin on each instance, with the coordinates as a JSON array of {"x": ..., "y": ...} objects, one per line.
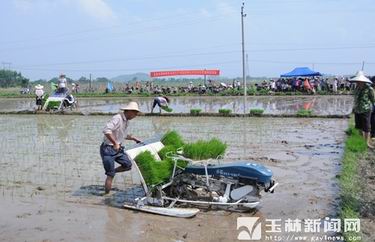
[
  {"x": 51, "y": 176},
  {"x": 322, "y": 105}
]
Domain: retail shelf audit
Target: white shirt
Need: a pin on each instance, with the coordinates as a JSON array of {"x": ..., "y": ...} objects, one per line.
[
  {"x": 39, "y": 92},
  {"x": 117, "y": 126},
  {"x": 163, "y": 101},
  {"x": 62, "y": 82}
]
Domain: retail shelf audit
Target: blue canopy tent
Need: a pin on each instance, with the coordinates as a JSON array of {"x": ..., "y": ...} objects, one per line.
[
  {"x": 301, "y": 71},
  {"x": 109, "y": 87}
]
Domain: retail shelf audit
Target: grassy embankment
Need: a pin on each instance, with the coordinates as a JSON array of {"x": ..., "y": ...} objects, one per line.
[{"x": 349, "y": 178}]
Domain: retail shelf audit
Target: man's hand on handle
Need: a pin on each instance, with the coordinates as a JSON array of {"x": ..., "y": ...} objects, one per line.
[
  {"x": 116, "y": 147},
  {"x": 129, "y": 137}
]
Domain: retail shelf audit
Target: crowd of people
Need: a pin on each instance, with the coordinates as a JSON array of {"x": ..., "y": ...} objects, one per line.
[{"x": 308, "y": 85}]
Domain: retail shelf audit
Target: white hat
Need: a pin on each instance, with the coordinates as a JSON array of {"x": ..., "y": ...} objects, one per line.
[
  {"x": 360, "y": 77},
  {"x": 131, "y": 106},
  {"x": 39, "y": 86}
]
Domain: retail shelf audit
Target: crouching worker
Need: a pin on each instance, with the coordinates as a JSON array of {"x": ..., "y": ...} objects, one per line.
[
  {"x": 111, "y": 150},
  {"x": 161, "y": 102}
]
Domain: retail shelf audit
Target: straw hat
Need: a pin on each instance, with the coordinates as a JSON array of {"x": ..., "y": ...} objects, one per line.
[
  {"x": 360, "y": 77},
  {"x": 39, "y": 86},
  {"x": 131, "y": 106}
]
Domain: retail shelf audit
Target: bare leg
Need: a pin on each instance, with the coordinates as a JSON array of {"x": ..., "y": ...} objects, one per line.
[
  {"x": 108, "y": 184},
  {"x": 367, "y": 137}
]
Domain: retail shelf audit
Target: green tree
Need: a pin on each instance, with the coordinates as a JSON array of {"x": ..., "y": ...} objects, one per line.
[{"x": 9, "y": 78}]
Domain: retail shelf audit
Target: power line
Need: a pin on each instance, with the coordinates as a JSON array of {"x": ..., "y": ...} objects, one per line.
[
  {"x": 160, "y": 56},
  {"x": 313, "y": 48},
  {"x": 121, "y": 34},
  {"x": 131, "y": 69},
  {"x": 90, "y": 30}
]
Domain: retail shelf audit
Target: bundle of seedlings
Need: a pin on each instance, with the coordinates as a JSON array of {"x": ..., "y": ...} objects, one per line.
[
  {"x": 202, "y": 150},
  {"x": 195, "y": 111},
  {"x": 225, "y": 112},
  {"x": 173, "y": 138},
  {"x": 155, "y": 172},
  {"x": 304, "y": 113},
  {"x": 167, "y": 109},
  {"x": 53, "y": 105},
  {"x": 256, "y": 112}
]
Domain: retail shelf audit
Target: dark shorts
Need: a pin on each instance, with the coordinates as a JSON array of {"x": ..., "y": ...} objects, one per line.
[
  {"x": 363, "y": 121},
  {"x": 373, "y": 122},
  {"x": 156, "y": 103},
  {"x": 110, "y": 156},
  {"x": 39, "y": 101}
]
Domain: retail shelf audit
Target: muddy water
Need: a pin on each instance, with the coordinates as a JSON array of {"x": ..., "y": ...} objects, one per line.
[
  {"x": 274, "y": 105},
  {"x": 51, "y": 177}
]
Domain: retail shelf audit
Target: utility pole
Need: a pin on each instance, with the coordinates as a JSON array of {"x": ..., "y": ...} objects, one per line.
[
  {"x": 90, "y": 84},
  {"x": 243, "y": 15}
]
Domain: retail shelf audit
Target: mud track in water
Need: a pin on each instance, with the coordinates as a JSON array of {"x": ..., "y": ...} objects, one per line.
[{"x": 51, "y": 176}]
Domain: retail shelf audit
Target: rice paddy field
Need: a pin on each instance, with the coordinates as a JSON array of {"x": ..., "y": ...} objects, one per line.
[
  {"x": 321, "y": 105},
  {"x": 51, "y": 175}
]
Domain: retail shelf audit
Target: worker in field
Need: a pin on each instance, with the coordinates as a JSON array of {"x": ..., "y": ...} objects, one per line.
[
  {"x": 39, "y": 93},
  {"x": 62, "y": 84},
  {"x": 364, "y": 100},
  {"x": 112, "y": 150},
  {"x": 161, "y": 102}
]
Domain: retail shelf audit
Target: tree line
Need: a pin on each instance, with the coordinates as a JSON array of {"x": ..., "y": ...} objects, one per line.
[{"x": 10, "y": 78}]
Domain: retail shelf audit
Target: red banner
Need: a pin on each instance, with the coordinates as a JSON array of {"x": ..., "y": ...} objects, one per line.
[{"x": 185, "y": 73}]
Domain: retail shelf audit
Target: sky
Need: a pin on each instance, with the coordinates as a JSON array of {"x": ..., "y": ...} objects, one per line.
[{"x": 107, "y": 38}]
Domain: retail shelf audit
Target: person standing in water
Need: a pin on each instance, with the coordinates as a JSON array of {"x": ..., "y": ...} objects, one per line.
[
  {"x": 111, "y": 150},
  {"x": 364, "y": 100}
]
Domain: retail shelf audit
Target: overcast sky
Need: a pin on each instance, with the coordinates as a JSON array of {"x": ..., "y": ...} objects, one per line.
[{"x": 43, "y": 38}]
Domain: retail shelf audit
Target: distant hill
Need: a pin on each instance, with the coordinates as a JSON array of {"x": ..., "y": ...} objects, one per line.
[{"x": 131, "y": 77}]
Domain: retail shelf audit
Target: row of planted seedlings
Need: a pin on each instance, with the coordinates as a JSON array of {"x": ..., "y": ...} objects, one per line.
[
  {"x": 253, "y": 112},
  {"x": 226, "y": 112},
  {"x": 156, "y": 171}
]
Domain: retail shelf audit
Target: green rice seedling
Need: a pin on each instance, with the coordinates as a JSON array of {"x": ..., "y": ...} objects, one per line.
[
  {"x": 154, "y": 172},
  {"x": 195, "y": 111},
  {"x": 45, "y": 97},
  {"x": 144, "y": 161},
  {"x": 202, "y": 150},
  {"x": 224, "y": 111},
  {"x": 172, "y": 138},
  {"x": 167, "y": 149},
  {"x": 53, "y": 105},
  {"x": 304, "y": 113},
  {"x": 256, "y": 112},
  {"x": 167, "y": 109}
]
